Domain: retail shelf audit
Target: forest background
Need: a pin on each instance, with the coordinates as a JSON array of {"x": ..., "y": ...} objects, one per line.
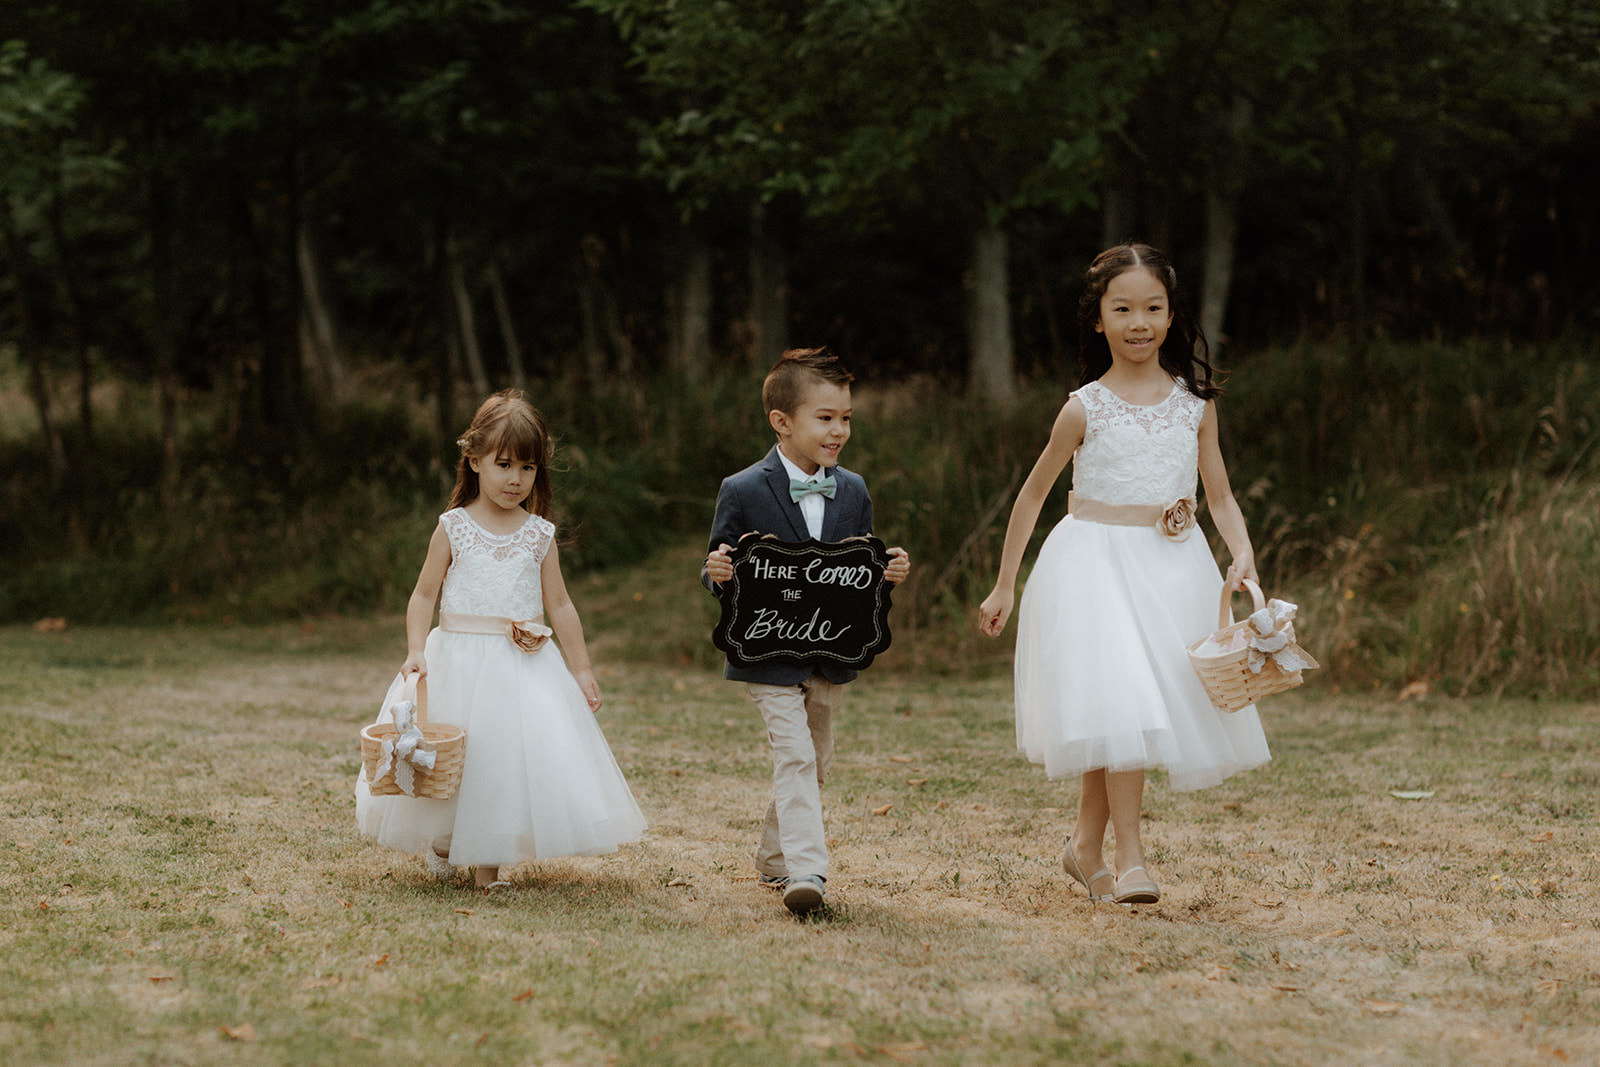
[{"x": 262, "y": 260}]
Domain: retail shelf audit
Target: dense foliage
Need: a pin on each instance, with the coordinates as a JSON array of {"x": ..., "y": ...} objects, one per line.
[{"x": 259, "y": 253}]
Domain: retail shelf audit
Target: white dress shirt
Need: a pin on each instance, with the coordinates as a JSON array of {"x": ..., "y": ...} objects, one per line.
[{"x": 812, "y": 504}]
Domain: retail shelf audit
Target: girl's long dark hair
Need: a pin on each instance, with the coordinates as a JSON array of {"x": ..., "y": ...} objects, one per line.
[
  {"x": 1184, "y": 354},
  {"x": 506, "y": 425}
]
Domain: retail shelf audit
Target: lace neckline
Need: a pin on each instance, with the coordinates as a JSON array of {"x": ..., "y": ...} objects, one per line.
[
  {"x": 490, "y": 534},
  {"x": 1176, "y": 385}
]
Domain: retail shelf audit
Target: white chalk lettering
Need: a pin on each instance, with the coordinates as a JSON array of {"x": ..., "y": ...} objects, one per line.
[
  {"x": 769, "y": 625},
  {"x": 857, "y": 577},
  {"x": 765, "y": 568}
]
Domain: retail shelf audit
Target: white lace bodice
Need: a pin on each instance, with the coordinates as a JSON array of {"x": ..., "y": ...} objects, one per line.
[
  {"x": 494, "y": 574},
  {"x": 1138, "y": 453}
]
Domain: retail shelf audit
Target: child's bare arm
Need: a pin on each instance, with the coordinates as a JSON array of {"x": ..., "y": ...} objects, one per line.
[
  {"x": 562, "y": 616},
  {"x": 1065, "y": 437},
  {"x": 1225, "y": 511},
  {"x": 424, "y": 595}
]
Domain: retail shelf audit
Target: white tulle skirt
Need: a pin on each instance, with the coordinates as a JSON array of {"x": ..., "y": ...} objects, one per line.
[
  {"x": 1103, "y": 678},
  {"x": 538, "y": 779}
]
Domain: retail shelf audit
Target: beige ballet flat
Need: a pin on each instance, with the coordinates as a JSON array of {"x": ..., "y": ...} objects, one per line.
[
  {"x": 1136, "y": 890},
  {"x": 1069, "y": 863}
]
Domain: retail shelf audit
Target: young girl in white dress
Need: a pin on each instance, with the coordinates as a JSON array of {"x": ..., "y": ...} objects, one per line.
[
  {"x": 1124, "y": 583},
  {"x": 538, "y": 779}
]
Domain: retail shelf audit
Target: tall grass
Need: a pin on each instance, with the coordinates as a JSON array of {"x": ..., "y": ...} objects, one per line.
[{"x": 1435, "y": 519}]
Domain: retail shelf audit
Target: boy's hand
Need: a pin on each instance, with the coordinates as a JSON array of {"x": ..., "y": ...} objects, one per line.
[
  {"x": 590, "y": 687},
  {"x": 899, "y": 566},
  {"x": 994, "y": 611},
  {"x": 719, "y": 568}
]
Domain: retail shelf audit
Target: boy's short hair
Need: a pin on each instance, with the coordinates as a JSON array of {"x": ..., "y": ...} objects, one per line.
[{"x": 786, "y": 383}]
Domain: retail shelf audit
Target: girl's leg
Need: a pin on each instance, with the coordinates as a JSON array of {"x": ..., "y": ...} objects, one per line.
[
  {"x": 1125, "y": 792},
  {"x": 1094, "y": 810}
]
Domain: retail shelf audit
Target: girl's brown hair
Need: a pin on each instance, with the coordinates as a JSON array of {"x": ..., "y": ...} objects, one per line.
[{"x": 506, "y": 425}]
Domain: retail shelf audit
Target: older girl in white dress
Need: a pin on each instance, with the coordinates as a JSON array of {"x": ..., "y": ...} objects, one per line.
[
  {"x": 1122, "y": 586},
  {"x": 538, "y": 779}
]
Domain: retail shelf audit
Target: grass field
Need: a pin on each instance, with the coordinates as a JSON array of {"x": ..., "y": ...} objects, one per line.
[{"x": 183, "y": 882}]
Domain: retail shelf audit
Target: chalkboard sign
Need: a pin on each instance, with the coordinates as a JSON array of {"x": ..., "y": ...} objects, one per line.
[{"x": 805, "y": 601}]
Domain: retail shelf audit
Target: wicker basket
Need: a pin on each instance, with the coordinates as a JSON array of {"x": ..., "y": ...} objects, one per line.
[
  {"x": 449, "y": 746},
  {"x": 1229, "y": 681}
]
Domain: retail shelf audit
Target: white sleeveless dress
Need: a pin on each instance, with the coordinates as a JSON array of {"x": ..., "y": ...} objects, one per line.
[
  {"x": 1103, "y": 678},
  {"x": 538, "y": 779}
]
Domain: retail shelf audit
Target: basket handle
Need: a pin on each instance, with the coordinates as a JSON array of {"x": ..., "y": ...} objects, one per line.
[
  {"x": 1256, "y": 597},
  {"x": 416, "y": 691}
]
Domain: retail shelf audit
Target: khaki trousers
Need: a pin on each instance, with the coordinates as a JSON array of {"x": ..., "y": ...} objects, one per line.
[{"x": 799, "y": 722}]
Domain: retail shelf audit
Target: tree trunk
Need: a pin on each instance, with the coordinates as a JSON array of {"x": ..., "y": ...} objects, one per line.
[
  {"x": 1116, "y": 216},
  {"x": 768, "y": 317},
  {"x": 320, "y": 349},
  {"x": 164, "y": 335},
  {"x": 1222, "y": 224},
  {"x": 693, "y": 349},
  {"x": 466, "y": 320},
  {"x": 38, "y": 385},
  {"x": 437, "y": 272},
  {"x": 992, "y": 369},
  {"x": 75, "y": 315},
  {"x": 590, "y": 300},
  {"x": 508, "y": 325}
]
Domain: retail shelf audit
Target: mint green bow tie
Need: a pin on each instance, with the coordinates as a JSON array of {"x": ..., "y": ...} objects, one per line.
[{"x": 826, "y": 486}]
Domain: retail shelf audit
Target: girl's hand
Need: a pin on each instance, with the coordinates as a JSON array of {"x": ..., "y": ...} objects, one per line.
[
  {"x": 1241, "y": 568},
  {"x": 591, "y": 689},
  {"x": 414, "y": 664},
  {"x": 995, "y": 610},
  {"x": 899, "y": 566}
]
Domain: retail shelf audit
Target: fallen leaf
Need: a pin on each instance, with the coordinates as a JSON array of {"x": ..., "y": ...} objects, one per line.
[
  {"x": 320, "y": 982},
  {"x": 526, "y": 994},
  {"x": 1230, "y": 805},
  {"x": 1415, "y": 691},
  {"x": 899, "y": 759},
  {"x": 924, "y": 781},
  {"x": 1285, "y": 987},
  {"x": 242, "y": 1032},
  {"x": 381, "y": 960},
  {"x": 903, "y": 1051},
  {"x": 1269, "y": 903},
  {"x": 1547, "y": 835},
  {"x": 481, "y": 1039},
  {"x": 1329, "y": 935},
  {"x": 157, "y": 979},
  {"x": 680, "y": 880},
  {"x": 44, "y": 905},
  {"x": 883, "y": 810},
  {"x": 50, "y": 624},
  {"x": 1389, "y": 842},
  {"x": 1411, "y": 794},
  {"x": 466, "y": 911},
  {"x": 1549, "y": 987},
  {"x": 1382, "y": 1007},
  {"x": 1217, "y": 972},
  {"x": 980, "y": 807}
]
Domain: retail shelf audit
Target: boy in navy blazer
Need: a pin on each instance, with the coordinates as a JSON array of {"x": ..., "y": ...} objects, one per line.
[{"x": 797, "y": 491}]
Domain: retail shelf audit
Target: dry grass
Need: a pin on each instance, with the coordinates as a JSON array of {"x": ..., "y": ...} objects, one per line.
[{"x": 183, "y": 882}]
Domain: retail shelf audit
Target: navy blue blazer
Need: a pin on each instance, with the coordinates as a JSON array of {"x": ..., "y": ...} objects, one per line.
[{"x": 756, "y": 500}]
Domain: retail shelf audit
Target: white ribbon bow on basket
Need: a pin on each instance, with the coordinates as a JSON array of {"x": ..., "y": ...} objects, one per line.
[
  {"x": 1272, "y": 638},
  {"x": 407, "y": 751}
]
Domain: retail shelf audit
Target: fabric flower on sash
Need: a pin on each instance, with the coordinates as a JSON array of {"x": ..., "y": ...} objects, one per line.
[
  {"x": 1272, "y": 638},
  {"x": 407, "y": 751},
  {"x": 1178, "y": 519},
  {"x": 527, "y": 634}
]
